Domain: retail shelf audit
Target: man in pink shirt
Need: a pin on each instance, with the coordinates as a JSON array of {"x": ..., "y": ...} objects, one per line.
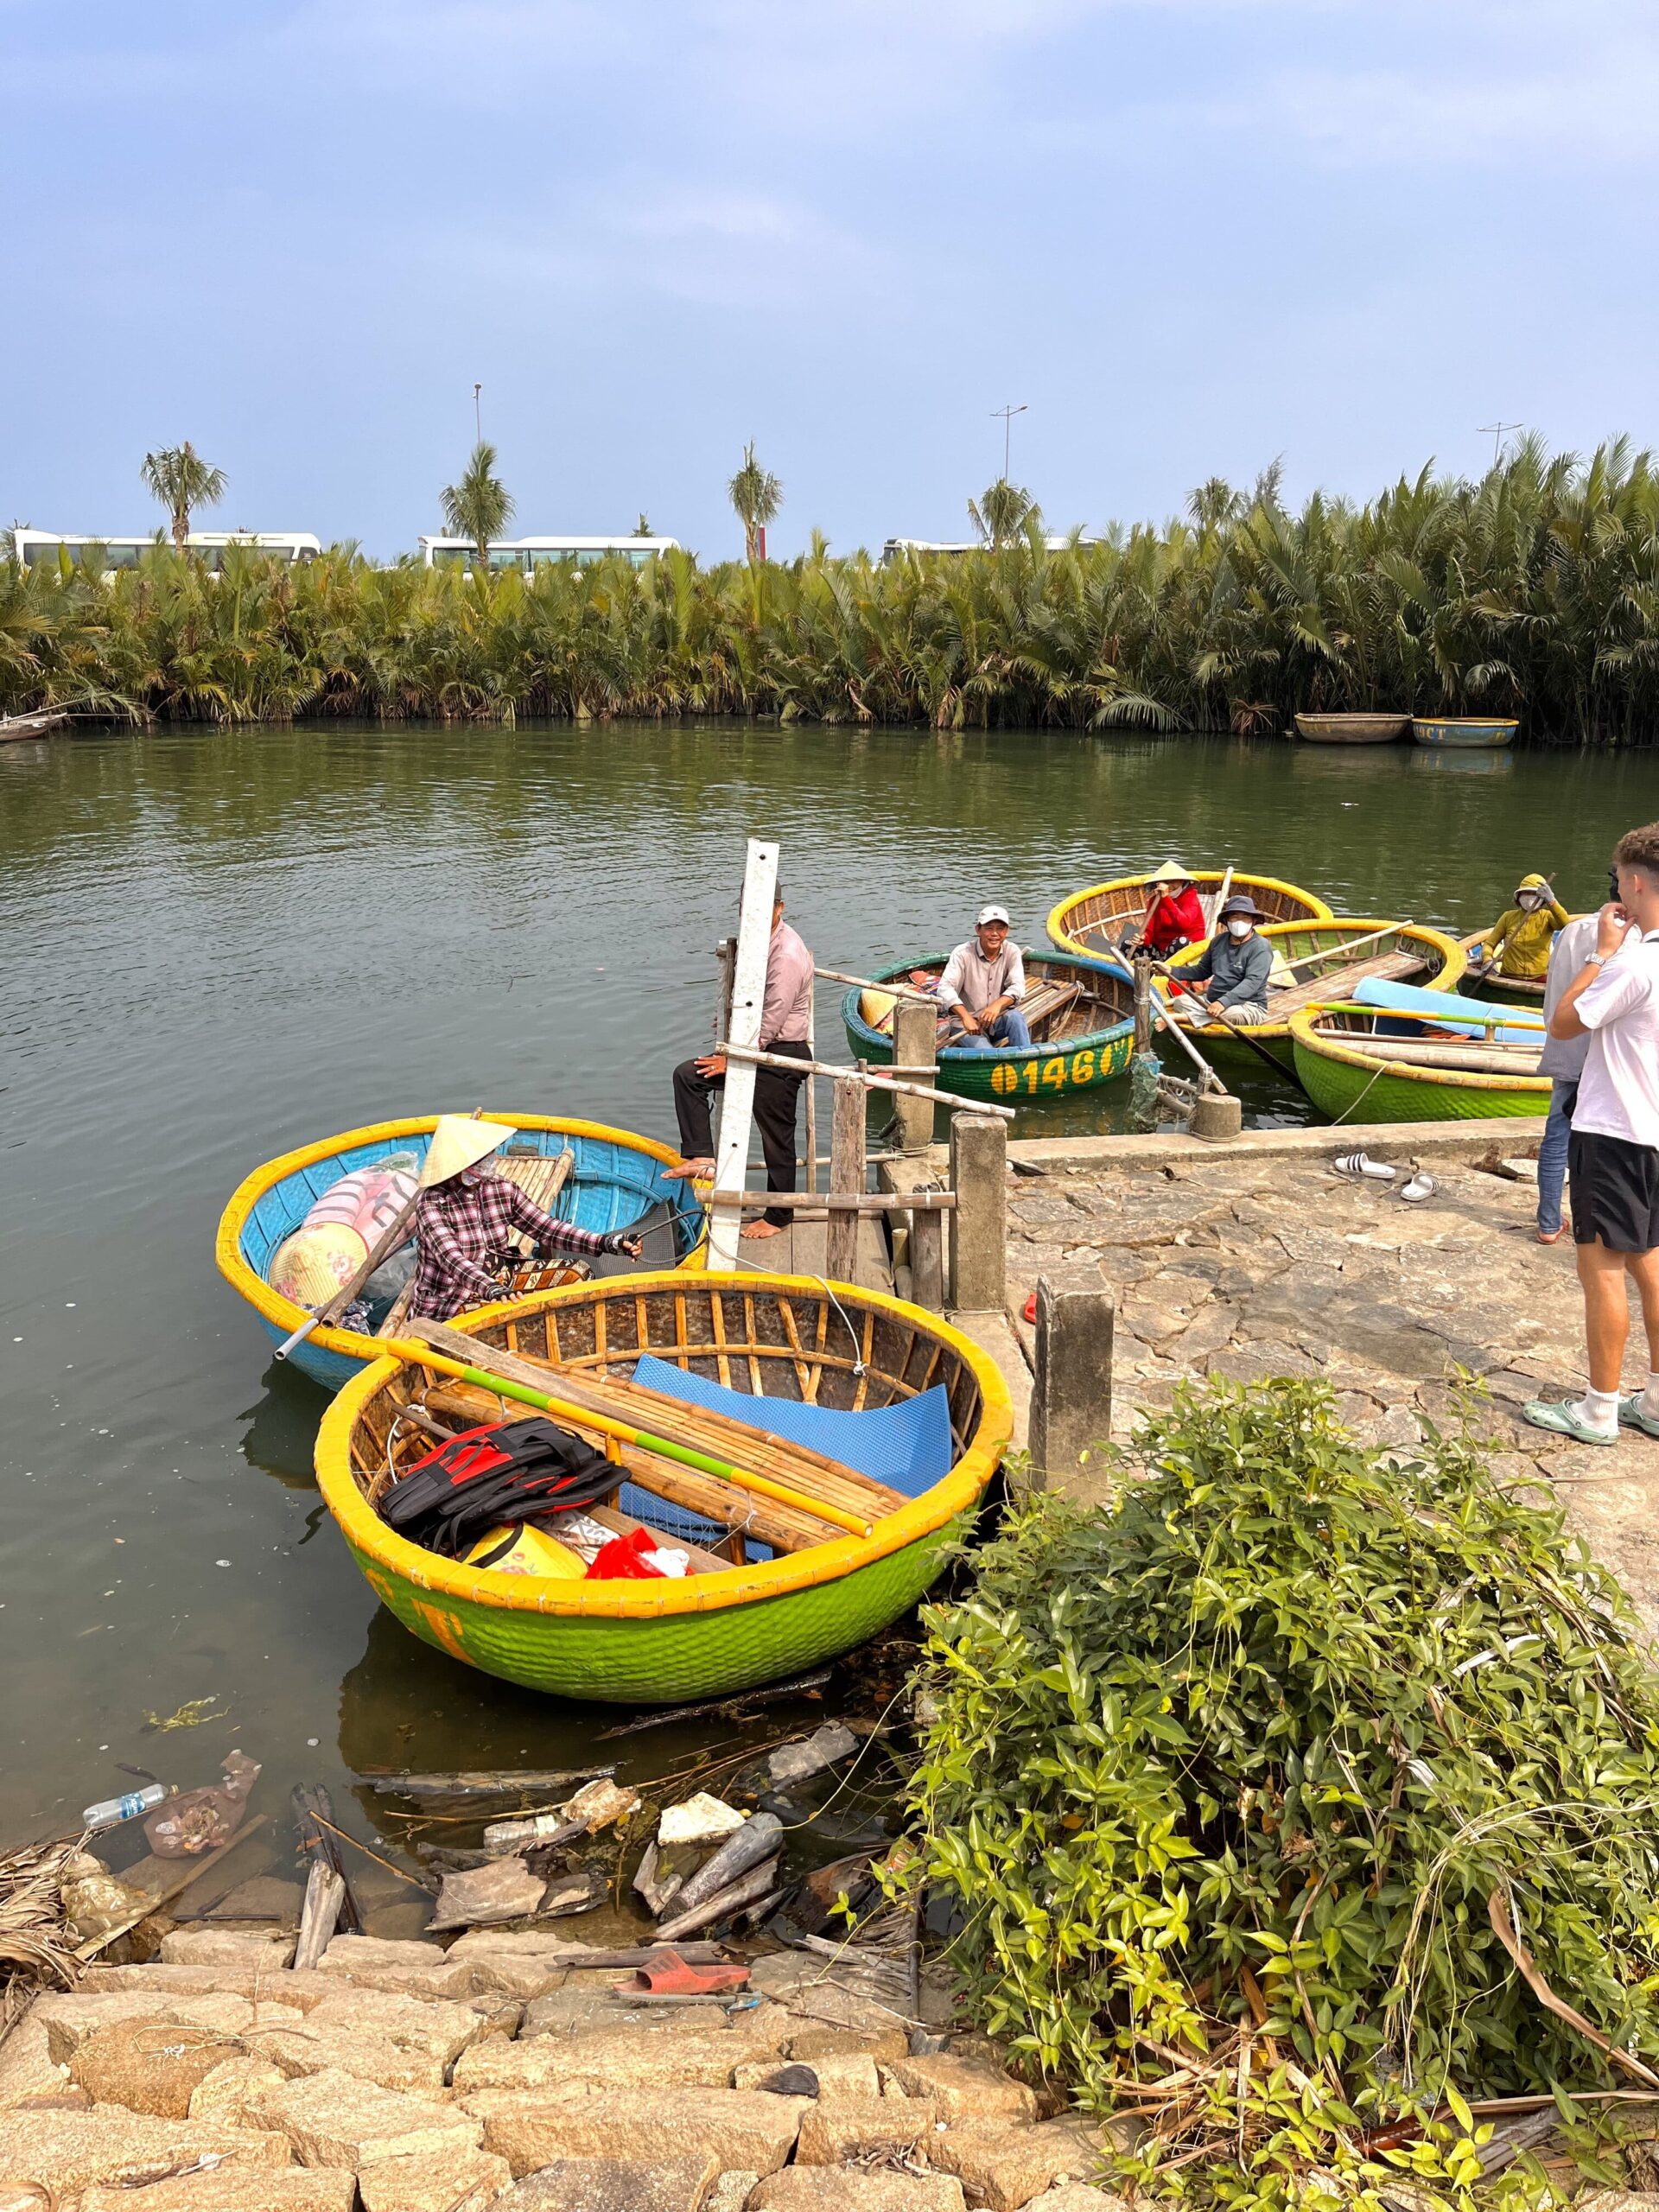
[{"x": 785, "y": 1019}]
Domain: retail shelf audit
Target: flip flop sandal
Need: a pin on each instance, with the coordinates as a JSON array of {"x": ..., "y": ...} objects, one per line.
[
  {"x": 1355, "y": 1167},
  {"x": 1630, "y": 1415},
  {"x": 1420, "y": 1186},
  {"x": 1561, "y": 1421}
]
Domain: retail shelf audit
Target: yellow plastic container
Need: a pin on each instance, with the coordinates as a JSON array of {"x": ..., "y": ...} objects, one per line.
[{"x": 519, "y": 1549}]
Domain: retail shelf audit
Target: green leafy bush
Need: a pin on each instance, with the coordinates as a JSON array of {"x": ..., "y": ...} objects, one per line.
[{"x": 1236, "y": 1783}]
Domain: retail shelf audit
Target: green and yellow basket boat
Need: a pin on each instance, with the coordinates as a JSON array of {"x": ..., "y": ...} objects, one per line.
[
  {"x": 1353, "y": 1073},
  {"x": 1088, "y": 924},
  {"x": 777, "y": 1338},
  {"x": 1081, "y": 1017},
  {"x": 1319, "y": 963}
]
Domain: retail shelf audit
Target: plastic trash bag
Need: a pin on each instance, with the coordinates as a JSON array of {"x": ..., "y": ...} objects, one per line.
[{"x": 201, "y": 1820}]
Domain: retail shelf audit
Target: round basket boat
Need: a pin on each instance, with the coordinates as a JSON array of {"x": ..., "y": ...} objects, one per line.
[
  {"x": 616, "y": 1181},
  {"x": 1324, "y": 971},
  {"x": 1353, "y": 729},
  {"x": 777, "y": 1337},
  {"x": 1463, "y": 732},
  {"x": 1088, "y": 924},
  {"x": 1348, "y": 1071},
  {"x": 1082, "y": 1020},
  {"x": 1505, "y": 990}
]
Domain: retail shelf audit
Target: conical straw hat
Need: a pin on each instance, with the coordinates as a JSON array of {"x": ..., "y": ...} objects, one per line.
[
  {"x": 457, "y": 1142},
  {"x": 1171, "y": 872}
]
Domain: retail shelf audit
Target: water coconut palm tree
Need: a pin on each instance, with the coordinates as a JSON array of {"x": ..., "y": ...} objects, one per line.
[
  {"x": 480, "y": 507},
  {"x": 1001, "y": 511},
  {"x": 756, "y": 495},
  {"x": 179, "y": 478}
]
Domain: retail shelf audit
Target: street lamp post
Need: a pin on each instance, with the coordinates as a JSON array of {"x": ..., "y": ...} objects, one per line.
[
  {"x": 1005, "y": 414},
  {"x": 478, "y": 417}
]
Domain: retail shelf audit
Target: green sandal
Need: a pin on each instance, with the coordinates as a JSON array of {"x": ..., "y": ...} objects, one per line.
[
  {"x": 1630, "y": 1415},
  {"x": 1563, "y": 1421}
]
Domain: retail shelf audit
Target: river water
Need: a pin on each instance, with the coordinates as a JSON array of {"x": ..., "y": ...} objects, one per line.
[{"x": 218, "y": 946}]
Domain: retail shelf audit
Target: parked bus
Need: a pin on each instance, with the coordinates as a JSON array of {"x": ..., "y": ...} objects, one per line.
[
  {"x": 33, "y": 546},
  {"x": 529, "y": 554}
]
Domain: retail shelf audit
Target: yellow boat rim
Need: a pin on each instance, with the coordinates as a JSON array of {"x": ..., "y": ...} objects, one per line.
[
  {"x": 1060, "y": 936},
  {"x": 1304, "y": 1027},
  {"x": 284, "y": 1312},
  {"x": 380, "y": 1546}
]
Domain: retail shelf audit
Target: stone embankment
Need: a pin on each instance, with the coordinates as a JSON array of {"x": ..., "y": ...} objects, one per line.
[
  {"x": 398, "y": 2077},
  {"x": 1257, "y": 1259}
]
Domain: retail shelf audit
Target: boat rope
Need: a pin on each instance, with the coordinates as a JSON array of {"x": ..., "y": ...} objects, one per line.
[
  {"x": 1362, "y": 1096},
  {"x": 858, "y": 1357}
]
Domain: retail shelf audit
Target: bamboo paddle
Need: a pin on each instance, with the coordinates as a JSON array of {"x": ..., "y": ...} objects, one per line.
[
  {"x": 421, "y": 1355},
  {"x": 864, "y": 983},
  {"x": 1352, "y": 945},
  {"x": 393, "y": 1236}
]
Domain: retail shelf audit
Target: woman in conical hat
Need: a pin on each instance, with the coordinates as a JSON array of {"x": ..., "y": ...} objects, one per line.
[
  {"x": 1174, "y": 914},
  {"x": 465, "y": 1216}
]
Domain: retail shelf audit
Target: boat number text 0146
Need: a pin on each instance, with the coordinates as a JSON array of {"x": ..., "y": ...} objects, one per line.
[{"x": 1053, "y": 1075}]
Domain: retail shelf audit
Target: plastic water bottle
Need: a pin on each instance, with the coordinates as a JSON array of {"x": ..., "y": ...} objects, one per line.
[{"x": 113, "y": 1810}]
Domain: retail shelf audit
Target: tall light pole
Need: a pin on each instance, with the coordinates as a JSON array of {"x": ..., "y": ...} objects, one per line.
[
  {"x": 478, "y": 417},
  {"x": 1005, "y": 414},
  {"x": 1496, "y": 431}
]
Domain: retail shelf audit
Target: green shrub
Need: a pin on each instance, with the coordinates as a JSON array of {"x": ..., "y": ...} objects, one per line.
[{"x": 1233, "y": 1781}]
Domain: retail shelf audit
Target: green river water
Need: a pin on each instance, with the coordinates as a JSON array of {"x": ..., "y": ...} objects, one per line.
[{"x": 218, "y": 946}]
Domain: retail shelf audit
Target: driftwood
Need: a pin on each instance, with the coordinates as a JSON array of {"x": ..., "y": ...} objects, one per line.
[
  {"x": 325, "y": 1893},
  {"x": 318, "y": 1838},
  {"x": 493, "y": 1782},
  {"x": 720, "y": 1708},
  {"x": 759, "y": 1837},
  {"x": 749, "y": 1890}
]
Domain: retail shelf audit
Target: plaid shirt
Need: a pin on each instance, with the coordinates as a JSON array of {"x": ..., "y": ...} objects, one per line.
[{"x": 461, "y": 1233}]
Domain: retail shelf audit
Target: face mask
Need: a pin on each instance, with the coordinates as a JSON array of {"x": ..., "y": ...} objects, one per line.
[
  {"x": 1238, "y": 929},
  {"x": 1527, "y": 901}
]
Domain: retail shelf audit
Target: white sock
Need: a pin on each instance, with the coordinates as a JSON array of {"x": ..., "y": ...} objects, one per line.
[
  {"x": 1649, "y": 1399},
  {"x": 1598, "y": 1409}
]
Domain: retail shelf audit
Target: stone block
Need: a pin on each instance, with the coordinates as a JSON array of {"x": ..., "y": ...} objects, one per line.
[
  {"x": 822, "y": 2188},
  {"x": 731, "y": 2192},
  {"x": 1079, "y": 2196},
  {"x": 437, "y": 2025},
  {"x": 965, "y": 2088},
  {"x": 591, "y": 2013},
  {"x": 1005, "y": 2165},
  {"x": 226, "y": 1947},
  {"x": 265, "y": 1897},
  {"x": 808, "y": 2044},
  {"x": 74, "y": 2017},
  {"x": 852, "y": 2127},
  {"x": 28, "y": 2068},
  {"x": 745, "y": 2128},
  {"x": 803, "y": 1984},
  {"x": 459, "y": 2181},
  {"x": 223, "y": 2095},
  {"x": 851, "y": 2074},
  {"x": 381, "y": 1954},
  {"x": 520, "y": 1942},
  {"x": 335, "y": 2120},
  {"x": 689, "y": 2061},
  {"x": 68, "y": 2152},
  {"x": 308, "y": 2049},
  {"x": 148, "y": 2066},
  {"x": 299, "y": 2190},
  {"x": 615, "y": 2185}
]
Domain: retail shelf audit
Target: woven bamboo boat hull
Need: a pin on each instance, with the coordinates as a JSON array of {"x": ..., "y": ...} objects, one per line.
[
  {"x": 1088, "y": 923},
  {"x": 1353, "y": 729},
  {"x": 617, "y": 1179},
  {"x": 1441, "y": 955},
  {"x": 1097, "y": 1048},
  {"x": 1462, "y": 731},
  {"x": 664, "y": 1642},
  {"x": 1502, "y": 990},
  {"x": 1347, "y": 1083}
]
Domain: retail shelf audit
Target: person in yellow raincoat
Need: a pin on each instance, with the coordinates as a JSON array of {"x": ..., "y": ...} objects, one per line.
[{"x": 1523, "y": 933}]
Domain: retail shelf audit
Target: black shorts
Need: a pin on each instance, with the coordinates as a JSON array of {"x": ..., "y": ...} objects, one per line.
[{"x": 1615, "y": 1192}]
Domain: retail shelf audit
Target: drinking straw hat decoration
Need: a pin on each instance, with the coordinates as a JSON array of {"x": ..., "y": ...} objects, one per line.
[{"x": 457, "y": 1142}]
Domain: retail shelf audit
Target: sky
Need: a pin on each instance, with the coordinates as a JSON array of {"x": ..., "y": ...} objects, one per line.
[{"x": 1187, "y": 236}]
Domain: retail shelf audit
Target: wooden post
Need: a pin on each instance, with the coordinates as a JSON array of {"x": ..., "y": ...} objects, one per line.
[
  {"x": 927, "y": 1261},
  {"x": 979, "y": 1232},
  {"x": 915, "y": 1031},
  {"x": 845, "y": 1174},
  {"x": 811, "y": 1097},
  {"x": 725, "y": 960},
  {"x": 1142, "y": 1003},
  {"x": 1071, "y": 1385},
  {"x": 748, "y": 992}
]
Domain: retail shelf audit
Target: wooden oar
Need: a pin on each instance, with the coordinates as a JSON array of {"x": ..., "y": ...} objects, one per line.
[
  {"x": 395, "y": 1231},
  {"x": 422, "y": 1355},
  {"x": 865, "y": 983}
]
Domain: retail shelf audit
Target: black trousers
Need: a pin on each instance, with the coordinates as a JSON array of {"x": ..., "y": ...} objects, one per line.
[{"x": 775, "y": 1097}]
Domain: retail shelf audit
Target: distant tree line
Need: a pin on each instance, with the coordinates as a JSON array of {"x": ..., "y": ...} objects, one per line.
[{"x": 1533, "y": 592}]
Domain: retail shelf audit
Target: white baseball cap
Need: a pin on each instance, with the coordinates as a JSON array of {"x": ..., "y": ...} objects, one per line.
[{"x": 993, "y": 914}]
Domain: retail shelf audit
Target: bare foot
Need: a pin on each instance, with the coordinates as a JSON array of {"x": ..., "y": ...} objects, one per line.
[
  {"x": 689, "y": 1170},
  {"x": 1552, "y": 1236},
  {"x": 762, "y": 1228}
]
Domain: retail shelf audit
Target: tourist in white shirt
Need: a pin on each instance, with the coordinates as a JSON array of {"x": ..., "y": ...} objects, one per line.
[{"x": 1613, "y": 1152}]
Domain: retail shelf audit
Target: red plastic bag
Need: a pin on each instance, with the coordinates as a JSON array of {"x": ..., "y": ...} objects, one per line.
[{"x": 627, "y": 1559}]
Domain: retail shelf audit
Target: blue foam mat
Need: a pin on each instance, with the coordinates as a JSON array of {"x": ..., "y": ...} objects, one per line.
[{"x": 907, "y": 1446}]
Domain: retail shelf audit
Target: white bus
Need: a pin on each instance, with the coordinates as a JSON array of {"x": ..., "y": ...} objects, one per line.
[
  {"x": 33, "y": 546},
  {"x": 896, "y": 548},
  {"x": 529, "y": 554}
]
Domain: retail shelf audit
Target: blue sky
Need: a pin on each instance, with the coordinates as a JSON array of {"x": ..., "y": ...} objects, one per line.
[{"x": 1190, "y": 234}]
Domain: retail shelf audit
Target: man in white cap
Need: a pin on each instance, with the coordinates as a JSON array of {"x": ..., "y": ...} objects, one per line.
[
  {"x": 466, "y": 1214},
  {"x": 982, "y": 987}
]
